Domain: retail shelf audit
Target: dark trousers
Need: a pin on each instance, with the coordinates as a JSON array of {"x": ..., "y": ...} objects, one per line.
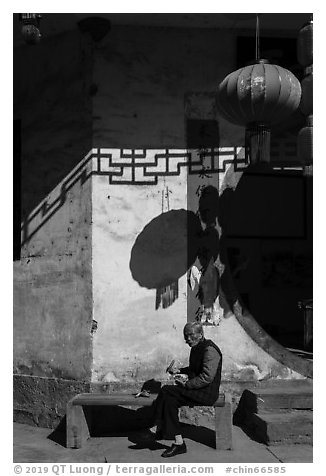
[{"x": 166, "y": 408}]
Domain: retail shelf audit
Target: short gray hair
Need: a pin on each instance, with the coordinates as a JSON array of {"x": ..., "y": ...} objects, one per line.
[{"x": 194, "y": 326}]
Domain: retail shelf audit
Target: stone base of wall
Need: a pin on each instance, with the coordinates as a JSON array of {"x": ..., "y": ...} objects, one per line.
[{"x": 41, "y": 401}]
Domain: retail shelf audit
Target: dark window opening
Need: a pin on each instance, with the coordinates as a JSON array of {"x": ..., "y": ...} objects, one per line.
[{"x": 202, "y": 133}]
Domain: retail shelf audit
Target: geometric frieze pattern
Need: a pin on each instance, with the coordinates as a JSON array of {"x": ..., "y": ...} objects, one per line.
[
  {"x": 145, "y": 166},
  {"x": 134, "y": 167}
]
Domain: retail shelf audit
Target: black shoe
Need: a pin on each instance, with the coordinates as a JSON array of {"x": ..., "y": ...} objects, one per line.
[
  {"x": 175, "y": 450},
  {"x": 158, "y": 435}
]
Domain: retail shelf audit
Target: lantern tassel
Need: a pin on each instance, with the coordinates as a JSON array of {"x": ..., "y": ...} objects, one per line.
[{"x": 257, "y": 143}]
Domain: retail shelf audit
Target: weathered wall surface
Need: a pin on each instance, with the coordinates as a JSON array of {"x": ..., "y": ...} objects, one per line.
[
  {"x": 149, "y": 81},
  {"x": 244, "y": 359},
  {"x": 134, "y": 341},
  {"x": 52, "y": 99},
  {"x": 52, "y": 281},
  {"x": 144, "y": 78},
  {"x": 52, "y": 284}
]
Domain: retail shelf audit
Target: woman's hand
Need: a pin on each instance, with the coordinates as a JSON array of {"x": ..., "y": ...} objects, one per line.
[
  {"x": 180, "y": 379},
  {"x": 174, "y": 371}
]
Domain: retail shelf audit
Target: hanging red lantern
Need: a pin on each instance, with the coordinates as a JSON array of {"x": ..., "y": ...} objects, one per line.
[
  {"x": 261, "y": 93},
  {"x": 258, "y": 96},
  {"x": 305, "y": 142},
  {"x": 304, "y": 44},
  {"x": 305, "y": 57},
  {"x": 306, "y": 104}
]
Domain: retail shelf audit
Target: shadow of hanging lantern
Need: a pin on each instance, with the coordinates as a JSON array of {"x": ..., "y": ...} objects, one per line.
[
  {"x": 31, "y": 27},
  {"x": 258, "y": 96},
  {"x": 164, "y": 251}
]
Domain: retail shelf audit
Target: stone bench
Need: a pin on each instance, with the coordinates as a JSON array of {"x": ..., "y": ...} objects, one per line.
[{"x": 77, "y": 426}]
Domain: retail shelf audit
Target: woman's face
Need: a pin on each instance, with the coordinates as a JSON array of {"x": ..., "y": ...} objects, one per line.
[{"x": 191, "y": 337}]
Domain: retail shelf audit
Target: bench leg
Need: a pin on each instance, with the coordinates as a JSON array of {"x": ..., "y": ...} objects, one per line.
[
  {"x": 223, "y": 425},
  {"x": 77, "y": 427}
]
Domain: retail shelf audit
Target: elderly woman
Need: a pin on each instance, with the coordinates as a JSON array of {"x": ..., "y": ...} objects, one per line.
[{"x": 200, "y": 388}]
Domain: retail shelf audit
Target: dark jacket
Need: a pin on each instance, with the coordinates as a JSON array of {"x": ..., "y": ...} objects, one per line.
[{"x": 204, "y": 372}]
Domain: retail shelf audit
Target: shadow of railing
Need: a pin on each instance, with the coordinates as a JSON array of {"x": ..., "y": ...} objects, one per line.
[
  {"x": 45, "y": 210},
  {"x": 132, "y": 167}
]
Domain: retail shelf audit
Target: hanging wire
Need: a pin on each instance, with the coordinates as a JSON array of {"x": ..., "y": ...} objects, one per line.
[{"x": 257, "y": 38}]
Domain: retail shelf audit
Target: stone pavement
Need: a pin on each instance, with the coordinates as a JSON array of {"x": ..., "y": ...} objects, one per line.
[{"x": 41, "y": 445}]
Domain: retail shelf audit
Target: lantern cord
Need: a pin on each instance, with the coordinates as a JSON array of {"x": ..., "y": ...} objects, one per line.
[{"x": 257, "y": 38}]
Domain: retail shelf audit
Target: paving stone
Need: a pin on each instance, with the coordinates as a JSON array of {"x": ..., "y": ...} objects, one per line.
[
  {"x": 32, "y": 444},
  {"x": 293, "y": 453}
]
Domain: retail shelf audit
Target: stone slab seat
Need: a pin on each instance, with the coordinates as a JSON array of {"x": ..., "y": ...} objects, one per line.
[{"x": 78, "y": 431}]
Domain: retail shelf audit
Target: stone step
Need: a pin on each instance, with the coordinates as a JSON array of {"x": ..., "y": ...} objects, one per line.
[
  {"x": 281, "y": 427},
  {"x": 255, "y": 401}
]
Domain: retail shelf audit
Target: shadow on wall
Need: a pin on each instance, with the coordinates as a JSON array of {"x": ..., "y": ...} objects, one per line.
[
  {"x": 209, "y": 247},
  {"x": 267, "y": 204},
  {"x": 164, "y": 251},
  {"x": 267, "y": 209},
  {"x": 47, "y": 209},
  {"x": 267, "y": 240},
  {"x": 177, "y": 242}
]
